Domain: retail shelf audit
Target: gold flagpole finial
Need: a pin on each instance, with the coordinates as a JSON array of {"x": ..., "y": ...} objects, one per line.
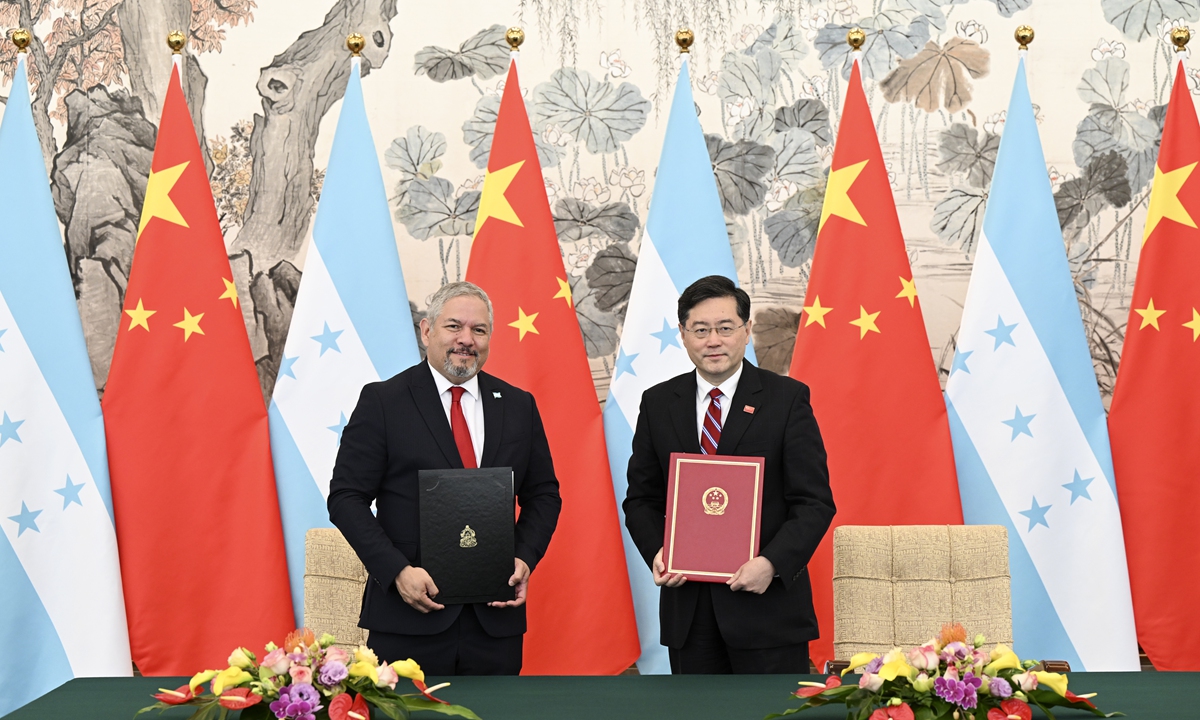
[
  {"x": 21, "y": 38},
  {"x": 685, "y": 38},
  {"x": 855, "y": 38},
  {"x": 514, "y": 36},
  {"x": 1179, "y": 38},
  {"x": 1023, "y": 36},
  {"x": 355, "y": 43},
  {"x": 176, "y": 40}
]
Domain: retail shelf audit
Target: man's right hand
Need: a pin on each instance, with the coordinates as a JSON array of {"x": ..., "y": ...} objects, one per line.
[
  {"x": 660, "y": 573},
  {"x": 417, "y": 589}
]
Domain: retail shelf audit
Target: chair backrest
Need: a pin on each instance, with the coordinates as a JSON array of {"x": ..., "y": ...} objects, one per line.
[
  {"x": 895, "y": 586},
  {"x": 334, "y": 578}
]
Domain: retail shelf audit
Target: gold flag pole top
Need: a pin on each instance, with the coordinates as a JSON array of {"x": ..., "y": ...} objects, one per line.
[
  {"x": 21, "y": 38},
  {"x": 1023, "y": 36},
  {"x": 355, "y": 43},
  {"x": 685, "y": 38},
  {"x": 176, "y": 40},
  {"x": 514, "y": 37},
  {"x": 1179, "y": 38},
  {"x": 855, "y": 38}
]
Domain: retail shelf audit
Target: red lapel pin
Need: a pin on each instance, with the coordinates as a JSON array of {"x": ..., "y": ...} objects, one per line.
[{"x": 748, "y": 409}]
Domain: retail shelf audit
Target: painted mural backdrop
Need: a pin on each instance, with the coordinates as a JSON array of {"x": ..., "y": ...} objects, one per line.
[{"x": 264, "y": 78}]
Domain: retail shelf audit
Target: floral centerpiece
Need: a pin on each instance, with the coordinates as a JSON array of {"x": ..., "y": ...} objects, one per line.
[
  {"x": 947, "y": 678},
  {"x": 306, "y": 679}
]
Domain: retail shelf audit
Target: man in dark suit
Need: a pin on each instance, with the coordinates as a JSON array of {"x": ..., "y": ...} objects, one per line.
[
  {"x": 761, "y": 620},
  {"x": 443, "y": 413}
]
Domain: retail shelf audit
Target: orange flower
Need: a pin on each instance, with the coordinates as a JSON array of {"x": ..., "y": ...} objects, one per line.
[
  {"x": 952, "y": 633},
  {"x": 300, "y": 636}
]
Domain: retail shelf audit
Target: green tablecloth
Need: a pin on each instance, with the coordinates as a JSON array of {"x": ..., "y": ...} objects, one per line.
[{"x": 747, "y": 697}]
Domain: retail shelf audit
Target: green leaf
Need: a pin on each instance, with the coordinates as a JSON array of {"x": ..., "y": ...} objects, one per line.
[
  {"x": 806, "y": 114},
  {"x": 611, "y": 276},
  {"x": 745, "y": 76},
  {"x": 886, "y": 45},
  {"x": 958, "y": 217},
  {"x": 483, "y": 55},
  {"x": 433, "y": 210},
  {"x": 739, "y": 169},
  {"x": 254, "y": 712},
  {"x": 395, "y": 708},
  {"x": 1138, "y": 19},
  {"x": 416, "y": 154},
  {"x": 1106, "y": 83},
  {"x": 599, "y": 114},
  {"x": 417, "y": 702},
  {"x": 963, "y": 150}
]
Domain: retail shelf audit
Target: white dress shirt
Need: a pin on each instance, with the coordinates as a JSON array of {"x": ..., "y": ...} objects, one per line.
[
  {"x": 472, "y": 407},
  {"x": 704, "y": 387}
]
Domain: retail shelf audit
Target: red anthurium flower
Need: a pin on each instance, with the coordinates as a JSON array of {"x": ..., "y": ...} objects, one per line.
[
  {"x": 1011, "y": 709},
  {"x": 174, "y": 697},
  {"x": 1076, "y": 699},
  {"x": 238, "y": 699},
  {"x": 893, "y": 712},
  {"x": 427, "y": 691},
  {"x": 343, "y": 708},
  {"x": 812, "y": 689}
]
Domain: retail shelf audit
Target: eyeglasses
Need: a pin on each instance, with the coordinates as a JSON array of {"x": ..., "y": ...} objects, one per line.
[{"x": 722, "y": 330}]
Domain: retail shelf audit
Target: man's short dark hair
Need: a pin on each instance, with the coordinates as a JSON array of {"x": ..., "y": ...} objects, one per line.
[{"x": 708, "y": 288}]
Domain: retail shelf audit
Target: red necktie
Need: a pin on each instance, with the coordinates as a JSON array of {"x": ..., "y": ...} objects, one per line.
[
  {"x": 710, "y": 435},
  {"x": 462, "y": 434}
]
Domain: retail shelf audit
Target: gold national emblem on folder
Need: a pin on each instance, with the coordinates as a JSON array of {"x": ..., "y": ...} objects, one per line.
[
  {"x": 466, "y": 538},
  {"x": 715, "y": 499}
]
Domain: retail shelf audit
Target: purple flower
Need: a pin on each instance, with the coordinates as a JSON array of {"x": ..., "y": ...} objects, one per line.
[
  {"x": 873, "y": 666},
  {"x": 960, "y": 692},
  {"x": 298, "y": 702},
  {"x": 999, "y": 687},
  {"x": 334, "y": 672}
]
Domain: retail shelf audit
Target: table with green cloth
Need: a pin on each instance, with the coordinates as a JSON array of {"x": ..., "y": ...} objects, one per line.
[{"x": 628, "y": 697}]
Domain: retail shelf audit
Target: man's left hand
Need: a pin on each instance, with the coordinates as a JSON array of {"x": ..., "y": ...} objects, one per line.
[
  {"x": 755, "y": 576},
  {"x": 520, "y": 581}
]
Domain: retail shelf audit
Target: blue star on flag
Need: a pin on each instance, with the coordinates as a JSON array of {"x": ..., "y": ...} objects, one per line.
[
  {"x": 328, "y": 339},
  {"x": 1079, "y": 487},
  {"x": 8, "y": 429},
  {"x": 285, "y": 366},
  {"x": 26, "y": 520},
  {"x": 340, "y": 426},
  {"x": 70, "y": 493},
  {"x": 1020, "y": 424},
  {"x": 960, "y": 361},
  {"x": 625, "y": 363},
  {"x": 668, "y": 336},
  {"x": 1002, "y": 333},
  {"x": 1036, "y": 514}
]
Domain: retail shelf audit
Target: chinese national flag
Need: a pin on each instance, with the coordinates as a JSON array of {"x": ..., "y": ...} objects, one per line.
[
  {"x": 1154, "y": 422},
  {"x": 198, "y": 528},
  {"x": 862, "y": 350},
  {"x": 581, "y": 619}
]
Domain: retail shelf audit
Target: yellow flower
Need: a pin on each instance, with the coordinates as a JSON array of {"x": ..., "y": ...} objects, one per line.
[
  {"x": 230, "y": 677},
  {"x": 859, "y": 660},
  {"x": 363, "y": 668},
  {"x": 409, "y": 669},
  {"x": 365, "y": 654},
  {"x": 200, "y": 678},
  {"x": 242, "y": 658},
  {"x": 1002, "y": 658},
  {"x": 894, "y": 665},
  {"x": 1055, "y": 681}
]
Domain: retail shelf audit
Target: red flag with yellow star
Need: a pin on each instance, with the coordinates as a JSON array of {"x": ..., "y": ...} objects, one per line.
[
  {"x": 581, "y": 619},
  {"x": 198, "y": 529},
  {"x": 863, "y": 351},
  {"x": 1154, "y": 421}
]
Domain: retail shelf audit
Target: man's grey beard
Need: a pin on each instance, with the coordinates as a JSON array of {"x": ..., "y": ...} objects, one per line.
[{"x": 460, "y": 371}]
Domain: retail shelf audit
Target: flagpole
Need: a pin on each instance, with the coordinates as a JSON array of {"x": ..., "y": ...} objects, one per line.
[
  {"x": 21, "y": 38},
  {"x": 855, "y": 37},
  {"x": 1023, "y": 35},
  {"x": 176, "y": 40},
  {"x": 1179, "y": 38},
  {"x": 355, "y": 43},
  {"x": 514, "y": 36}
]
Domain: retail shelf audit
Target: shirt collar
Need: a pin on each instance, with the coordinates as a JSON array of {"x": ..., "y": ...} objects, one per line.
[
  {"x": 728, "y": 388},
  {"x": 471, "y": 386}
]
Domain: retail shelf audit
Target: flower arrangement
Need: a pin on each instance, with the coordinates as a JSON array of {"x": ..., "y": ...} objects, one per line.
[
  {"x": 947, "y": 678},
  {"x": 307, "y": 679}
]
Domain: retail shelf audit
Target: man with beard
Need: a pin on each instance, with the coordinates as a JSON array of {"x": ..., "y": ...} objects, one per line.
[{"x": 443, "y": 413}]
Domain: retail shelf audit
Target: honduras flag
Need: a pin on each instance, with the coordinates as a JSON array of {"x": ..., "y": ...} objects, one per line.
[
  {"x": 1030, "y": 440},
  {"x": 685, "y": 240},
  {"x": 351, "y": 325},
  {"x": 62, "y": 613}
]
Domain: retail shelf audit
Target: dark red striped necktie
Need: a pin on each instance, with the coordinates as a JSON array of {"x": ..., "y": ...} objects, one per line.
[{"x": 710, "y": 434}]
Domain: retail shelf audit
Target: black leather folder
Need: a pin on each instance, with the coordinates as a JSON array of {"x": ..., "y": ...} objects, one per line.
[{"x": 467, "y": 533}]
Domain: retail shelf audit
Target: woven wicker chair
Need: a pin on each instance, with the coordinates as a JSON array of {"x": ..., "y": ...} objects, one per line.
[
  {"x": 895, "y": 586},
  {"x": 333, "y": 587}
]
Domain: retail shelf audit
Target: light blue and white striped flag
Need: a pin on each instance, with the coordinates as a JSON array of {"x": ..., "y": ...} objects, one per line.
[
  {"x": 1030, "y": 439},
  {"x": 62, "y": 613},
  {"x": 685, "y": 239},
  {"x": 351, "y": 325}
]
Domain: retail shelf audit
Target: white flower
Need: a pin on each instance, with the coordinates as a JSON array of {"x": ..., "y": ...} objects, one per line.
[
  {"x": 1106, "y": 49},
  {"x": 591, "y": 190},
  {"x": 971, "y": 30},
  {"x": 779, "y": 193},
  {"x": 471, "y": 184},
  {"x": 629, "y": 179},
  {"x": 994, "y": 123},
  {"x": 581, "y": 257},
  {"x": 814, "y": 88},
  {"x": 738, "y": 109},
  {"x": 747, "y": 35},
  {"x": 499, "y": 90},
  {"x": 1058, "y": 178},
  {"x": 552, "y": 190},
  {"x": 844, "y": 11},
  {"x": 813, "y": 22},
  {"x": 1193, "y": 80},
  {"x": 613, "y": 63},
  {"x": 1137, "y": 105},
  {"x": 553, "y": 135},
  {"x": 708, "y": 83}
]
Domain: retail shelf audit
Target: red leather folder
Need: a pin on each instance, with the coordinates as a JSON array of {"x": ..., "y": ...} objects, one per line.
[{"x": 714, "y": 515}]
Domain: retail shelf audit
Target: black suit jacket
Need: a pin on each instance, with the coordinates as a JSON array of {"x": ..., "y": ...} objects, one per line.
[
  {"x": 400, "y": 427},
  {"x": 796, "y": 511}
]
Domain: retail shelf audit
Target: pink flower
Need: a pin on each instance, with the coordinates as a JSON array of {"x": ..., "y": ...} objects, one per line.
[
  {"x": 870, "y": 682},
  {"x": 923, "y": 658},
  {"x": 301, "y": 674},
  {"x": 277, "y": 660},
  {"x": 387, "y": 676},
  {"x": 337, "y": 654},
  {"x": 1026, "y": 681}
]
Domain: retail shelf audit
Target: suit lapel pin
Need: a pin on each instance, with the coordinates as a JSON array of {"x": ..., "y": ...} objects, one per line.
[
  {"x": 749, "y": 409},
  {"x": 496, "y": 394}
]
